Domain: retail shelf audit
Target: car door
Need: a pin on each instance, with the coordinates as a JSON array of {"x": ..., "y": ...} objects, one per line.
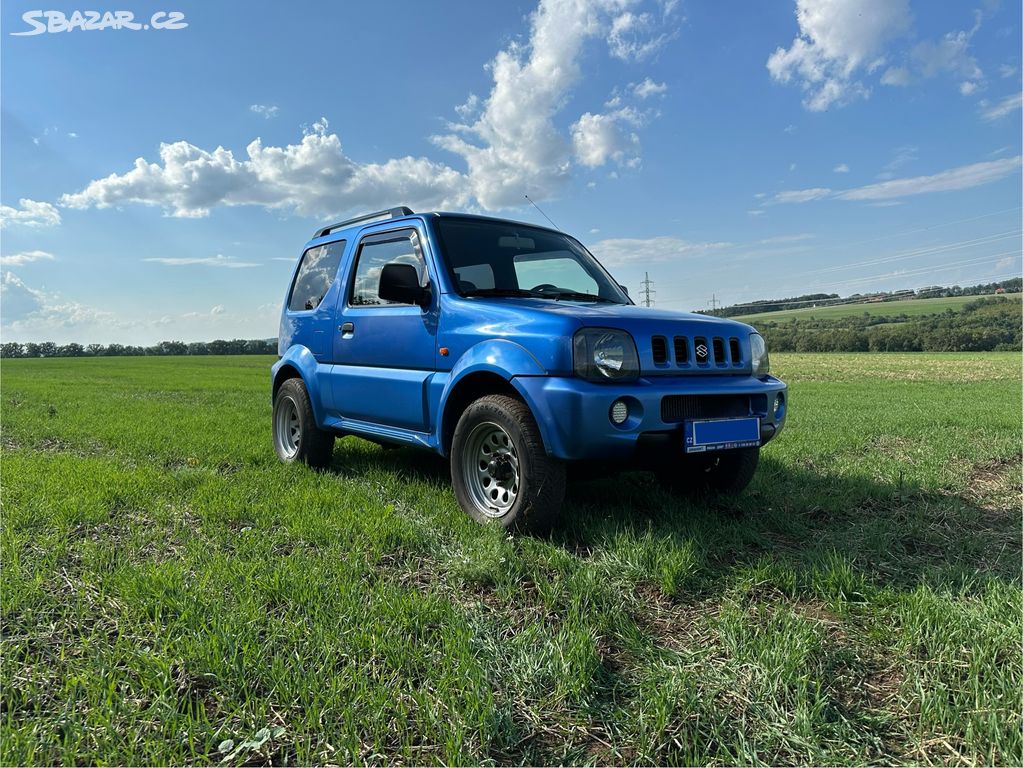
[{"x": 384, "y": 352}]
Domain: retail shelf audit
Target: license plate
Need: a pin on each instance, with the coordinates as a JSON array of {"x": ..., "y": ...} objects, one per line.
[{"x": 721, "y": 434}]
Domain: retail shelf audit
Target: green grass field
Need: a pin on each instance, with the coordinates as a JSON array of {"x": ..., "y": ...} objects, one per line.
[
  {"x": 172, "y": 594},
  {"x": 909, "y": 307}
]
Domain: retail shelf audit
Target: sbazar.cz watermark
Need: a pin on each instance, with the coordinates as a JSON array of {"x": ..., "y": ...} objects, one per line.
[{"x": 41, "y": 22}]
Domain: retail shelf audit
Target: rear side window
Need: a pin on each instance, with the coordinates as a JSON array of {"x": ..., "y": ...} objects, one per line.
[
  {"x": 374, "y": 254},
  {"x": 315, "y": 276}
]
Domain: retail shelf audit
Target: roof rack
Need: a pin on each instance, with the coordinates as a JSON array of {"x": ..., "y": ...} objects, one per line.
[{"x": 391, "y": 213}]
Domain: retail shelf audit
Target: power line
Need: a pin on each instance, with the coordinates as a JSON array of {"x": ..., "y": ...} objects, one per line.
[
  {"x": 646, "y": 291},
  {"x": 928, "y": 251}
]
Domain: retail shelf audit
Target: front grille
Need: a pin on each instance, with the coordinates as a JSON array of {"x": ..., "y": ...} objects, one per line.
[
  {"x": 659, "y": 348},
  {"x": 701, "y": 352},
  {"x": 681, "y": 350},
  {"x": 675, "y": 408},
  {"x": 719, "y": 352},
  {"x": 735, "y": 351}
]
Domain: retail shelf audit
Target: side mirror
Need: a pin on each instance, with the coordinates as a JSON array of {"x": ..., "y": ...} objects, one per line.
[
  {"x": 624, "y": 288},
  {"x": 400, "y": 283}
]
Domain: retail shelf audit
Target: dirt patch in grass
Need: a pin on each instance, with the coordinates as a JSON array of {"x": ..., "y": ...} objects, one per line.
[{"x": 997, "y": 486}]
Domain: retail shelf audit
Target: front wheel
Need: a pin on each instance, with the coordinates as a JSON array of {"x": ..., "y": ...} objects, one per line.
[
  {"x": 500, "y": 470},
  {"x": 727, "y": 472},
  {"x": 296, "y": 436}
]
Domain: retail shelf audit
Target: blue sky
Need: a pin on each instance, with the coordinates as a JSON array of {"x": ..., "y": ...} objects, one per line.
[{"x": 159, "y": 184}]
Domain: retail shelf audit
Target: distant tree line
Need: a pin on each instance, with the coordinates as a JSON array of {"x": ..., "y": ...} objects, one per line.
[
  {"x": 164, "y": 348},
  {"x": 1015, "y": 285},
  {"x": 984, "y": 325}
]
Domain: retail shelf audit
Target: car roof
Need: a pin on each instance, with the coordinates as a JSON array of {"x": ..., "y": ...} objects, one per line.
[{"x": 346, "y": 230}]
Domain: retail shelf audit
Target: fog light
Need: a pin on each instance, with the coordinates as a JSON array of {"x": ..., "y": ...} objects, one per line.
[
  {"x": 619, "y": 412},
  {"x": 779, "y": 405}
]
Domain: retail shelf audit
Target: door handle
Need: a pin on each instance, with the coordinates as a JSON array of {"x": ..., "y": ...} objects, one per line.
[{"x": 347, "y": 330}]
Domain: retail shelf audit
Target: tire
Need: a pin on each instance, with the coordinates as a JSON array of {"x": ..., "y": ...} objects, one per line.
[
  {"x": 726, "y": 473},
  {"x": 296, "y": 437},
  {"x": 500, "y": 470}
]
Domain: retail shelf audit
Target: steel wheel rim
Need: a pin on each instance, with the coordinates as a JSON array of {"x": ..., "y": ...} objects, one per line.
[
  {"x": 287, "y": 428},
  {"x": 490, "y": 468}
]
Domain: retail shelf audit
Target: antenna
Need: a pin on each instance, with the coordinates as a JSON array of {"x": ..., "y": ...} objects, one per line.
[
  {"x": 646, "y": 292},
  {"x": 542, "y": 213}
]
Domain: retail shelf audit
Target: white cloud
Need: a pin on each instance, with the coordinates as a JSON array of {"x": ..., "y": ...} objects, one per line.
[
  {"x": 649, "y": 88},
  {"x": 1006, "y": 106},
  {"x": 267, "y": 111},
  {"x": 950, "y": 55},
  {"x": 963, "y": 177},
  {"x": 25, "y": 309},
  {"x": 897, "y": 76},
  {"x": 228, "y": 262},
  {"x": 802, "y": 195},
  {"x": 513, "y": 147},
  {"x": 25, "y": 257},
  {"x": 17, "y": 300},
  {"x": 312, "y": 178},
  {"x": 30, "y": 213},
  {"x": 633, "y": 36},
  {"x": 214, "y": 311},
  {"x": 837, "y": 40},
  {"x": 597, "y": 139},
  {"x": 756, "y": 212},
  {"x": 1007, "y": 70},
  {"x": 781, "y": 239},
  {"x": 901, "y": 156},
  {"x": 841, "y": 168},
  {"x": 790, "y": 129},
  {"x": 617, "y": 252}
]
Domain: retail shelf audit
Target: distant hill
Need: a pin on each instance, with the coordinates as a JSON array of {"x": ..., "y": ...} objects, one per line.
[
  {"x": 819, "y": 301},
  {"x": 907, "y": 307}
]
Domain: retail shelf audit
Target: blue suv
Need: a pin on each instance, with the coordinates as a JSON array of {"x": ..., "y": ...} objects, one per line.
[{"x": 509, "y": 349}]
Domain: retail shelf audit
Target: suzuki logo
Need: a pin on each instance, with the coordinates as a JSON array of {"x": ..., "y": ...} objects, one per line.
[{"x": 701, "y": 351}]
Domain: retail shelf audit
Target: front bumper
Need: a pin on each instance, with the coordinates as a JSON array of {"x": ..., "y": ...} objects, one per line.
[{"x": 573, "y": 414}]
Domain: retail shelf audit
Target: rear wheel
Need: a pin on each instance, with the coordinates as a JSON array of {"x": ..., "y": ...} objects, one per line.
[
  {"x": 295, "y": 434},
  {"x": 500, "y": 469},
  {"x": 725, "y": 472}
]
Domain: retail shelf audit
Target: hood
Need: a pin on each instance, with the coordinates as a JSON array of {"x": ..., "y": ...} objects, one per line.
[{"x": 668, "y": 342}]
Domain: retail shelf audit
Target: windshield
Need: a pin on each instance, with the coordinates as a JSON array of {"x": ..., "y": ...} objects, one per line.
[{"x": 496, "y": 258}]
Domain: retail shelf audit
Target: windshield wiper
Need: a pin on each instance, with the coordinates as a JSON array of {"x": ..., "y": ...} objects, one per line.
[
  {"x": 578, "y": 296},
  {"x": 501, "y": 292}
]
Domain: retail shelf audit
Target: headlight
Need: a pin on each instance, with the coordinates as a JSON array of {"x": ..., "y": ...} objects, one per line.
[
  {"x": 758, "y": 355},
  {"x": 604, "y": 354}
]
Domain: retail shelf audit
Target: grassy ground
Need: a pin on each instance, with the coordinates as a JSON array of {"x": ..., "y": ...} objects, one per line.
[
  {"x": 908, "y": 307},
  {"x": 172, "y": 594}
]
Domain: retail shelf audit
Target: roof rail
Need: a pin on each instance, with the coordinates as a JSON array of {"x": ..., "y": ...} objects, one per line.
[{"x": 391, "y": 213}]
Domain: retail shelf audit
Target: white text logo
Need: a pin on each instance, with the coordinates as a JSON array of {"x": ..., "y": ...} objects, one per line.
[{"x": 41, "y": 22}]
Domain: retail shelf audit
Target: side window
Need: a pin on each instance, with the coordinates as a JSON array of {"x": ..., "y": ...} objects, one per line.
[
  {"x": 315, "y": 276},
  {"x": 374, "y": 254}
]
